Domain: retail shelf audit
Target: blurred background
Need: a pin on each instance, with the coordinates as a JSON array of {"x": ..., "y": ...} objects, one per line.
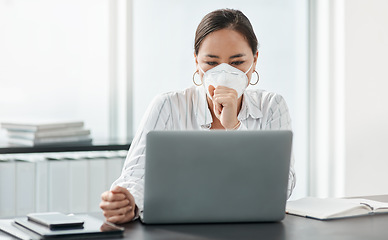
[{"x": 103, "y": 61}]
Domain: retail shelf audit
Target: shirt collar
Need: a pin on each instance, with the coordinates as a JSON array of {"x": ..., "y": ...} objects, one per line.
[
  {"x": 250, "y": 107},
  {"x": 203, "y": 114}
]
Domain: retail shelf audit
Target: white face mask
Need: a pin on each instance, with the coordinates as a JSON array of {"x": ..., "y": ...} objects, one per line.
[{"x": 227, "y": 76}]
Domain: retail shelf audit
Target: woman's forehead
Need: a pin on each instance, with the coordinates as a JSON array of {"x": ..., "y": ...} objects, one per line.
[{"x": 225, "y": 42}]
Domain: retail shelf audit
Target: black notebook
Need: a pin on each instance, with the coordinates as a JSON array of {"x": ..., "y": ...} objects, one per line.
[
  {"x": 56, "y": 220},
  {"x": 92, "y": 228}
]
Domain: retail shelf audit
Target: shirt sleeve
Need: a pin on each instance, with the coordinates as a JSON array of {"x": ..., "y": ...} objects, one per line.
[
  {"x": 132, "y": 176},
  {"x": 279, "y": 119}
]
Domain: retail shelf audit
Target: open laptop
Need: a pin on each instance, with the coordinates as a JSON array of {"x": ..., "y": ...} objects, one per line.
[{"x": 216, "y": 176}]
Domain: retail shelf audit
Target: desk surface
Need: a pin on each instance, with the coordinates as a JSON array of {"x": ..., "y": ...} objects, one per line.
[{"x": 292, "y": 227}]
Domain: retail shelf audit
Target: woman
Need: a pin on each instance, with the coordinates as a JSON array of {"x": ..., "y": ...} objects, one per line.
[{"x": 226, "y": 57}]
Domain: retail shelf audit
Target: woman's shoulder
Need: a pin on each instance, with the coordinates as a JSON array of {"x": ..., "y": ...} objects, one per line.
[
  {"x": 188, "y": 91},
  {"x": 263, "y": 96},
  {"x": 179, "y": 95}
]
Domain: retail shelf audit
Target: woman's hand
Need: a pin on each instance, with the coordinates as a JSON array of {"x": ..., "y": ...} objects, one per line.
[
  {"x": 118, "y": 205},
  {"x": 225, "y": 103}
]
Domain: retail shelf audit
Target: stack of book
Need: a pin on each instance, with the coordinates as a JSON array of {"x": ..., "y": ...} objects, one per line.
[{"x": 53, "y": 133}]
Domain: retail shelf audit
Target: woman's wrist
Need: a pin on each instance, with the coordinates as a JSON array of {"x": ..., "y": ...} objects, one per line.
[{"x": 238, "y": 124}]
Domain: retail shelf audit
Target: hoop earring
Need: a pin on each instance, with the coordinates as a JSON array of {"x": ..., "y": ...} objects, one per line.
[
  {"x": 196, "y": 84},
  {"x": 258, "y": 78}
]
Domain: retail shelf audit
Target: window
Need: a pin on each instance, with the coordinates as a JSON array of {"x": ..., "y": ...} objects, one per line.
[{"x": 58, "y": 60}]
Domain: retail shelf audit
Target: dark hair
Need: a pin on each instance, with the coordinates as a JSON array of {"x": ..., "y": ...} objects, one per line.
[{"x": 225, "y": 18}]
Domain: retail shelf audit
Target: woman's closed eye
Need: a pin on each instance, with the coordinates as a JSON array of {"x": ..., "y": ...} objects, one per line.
[
  {"x": 236, "y": 63},
  {"x": 212, "y": 63}
]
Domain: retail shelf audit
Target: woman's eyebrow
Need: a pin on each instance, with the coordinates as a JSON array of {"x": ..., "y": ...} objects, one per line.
[
  {"x": 234, "y": 56},
  {"x": 212, "y": 56},
  {"x": 237, "y": 55}
]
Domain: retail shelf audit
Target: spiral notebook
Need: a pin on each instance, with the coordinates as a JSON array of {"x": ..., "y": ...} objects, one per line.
[{"x": 333, "y": 208}]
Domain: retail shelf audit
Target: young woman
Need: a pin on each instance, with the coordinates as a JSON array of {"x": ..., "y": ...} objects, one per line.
[{"x": 226, "y": 57}]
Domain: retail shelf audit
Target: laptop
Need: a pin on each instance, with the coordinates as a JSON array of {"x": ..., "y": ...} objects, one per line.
[{"x": 216, "y": 176}]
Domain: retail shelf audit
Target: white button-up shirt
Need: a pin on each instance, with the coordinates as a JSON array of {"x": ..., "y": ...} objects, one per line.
[{"x": 188, "y": 110}]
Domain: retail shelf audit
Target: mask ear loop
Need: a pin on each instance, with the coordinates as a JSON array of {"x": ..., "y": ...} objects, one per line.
[
  {"x": 258, "y": 78},
  {"x": 249, "y": 69}
]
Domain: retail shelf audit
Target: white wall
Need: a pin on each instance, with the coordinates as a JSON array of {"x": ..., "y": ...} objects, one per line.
[
  {"x": 349, "y": 59},
  {"x": 366, "y": 84}
]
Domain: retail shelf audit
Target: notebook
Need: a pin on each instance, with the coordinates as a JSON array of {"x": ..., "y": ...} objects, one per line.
[
  {"x": 92, "y": 228},
  {"x": 333, "y": 208},
  {"x": 216, "y": 176}
]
